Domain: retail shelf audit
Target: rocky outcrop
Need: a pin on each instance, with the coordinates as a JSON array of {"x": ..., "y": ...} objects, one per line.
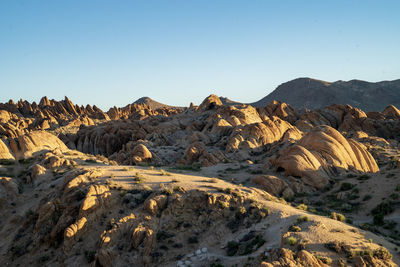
[
  {"x": 285, "y": 257},
  {"x": 27, "y": 145},
  {"x": 197, "y": 153},
  {"x": 36, "y": 171},
  {"x": 10, "y": 187},
  {"x": 211, "y": 102},
  {"x": 391, "y": 112},
  {"x": 322, "y": 153},
  {"x": 141, "y": 154},
  {"x": 156, "y": 204},
  {"x": 96, "y": 197},
  {"x": 280, "y": 110},
  {"x": 5, "y": 152},
  {"x": 274, "y": 185},
  {"x": 257, "y": 135}
]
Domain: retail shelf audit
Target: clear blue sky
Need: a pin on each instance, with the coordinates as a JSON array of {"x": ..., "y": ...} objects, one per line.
[{"x": 113, "y": 52}]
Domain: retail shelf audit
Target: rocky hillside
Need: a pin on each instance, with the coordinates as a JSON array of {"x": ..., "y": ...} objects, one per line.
[
  {"x": 65, "y": 208},
  {"x": 207, "y": 185},
  {"x": 313, "y": 94}
]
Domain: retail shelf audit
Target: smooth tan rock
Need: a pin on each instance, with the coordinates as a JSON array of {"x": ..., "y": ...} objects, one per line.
[
  {"x": 141, "y": 154},
  {"x": 271, "y": 184},
  {"x": 321, "y": 153},
  {"x": 35, "y": 142},
  {"x": 210, "y": 102},
  {"x": 5, "y": 152}
]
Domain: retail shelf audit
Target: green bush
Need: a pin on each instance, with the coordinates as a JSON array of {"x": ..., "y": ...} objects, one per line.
[
  {"x": 302, "y": 218},
  {"x": 382, "y": 253},
  {"x": 383, "y": 208},
  {"x": 295, "y": 228},
  {"x": 292, "y": 241},
  {"x": 302, "y": 207},
  {"x": 338, "y": 216},
  {"x": 232, "y": 248}
]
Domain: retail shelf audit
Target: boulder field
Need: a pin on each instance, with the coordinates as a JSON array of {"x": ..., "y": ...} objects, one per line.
[{"x": 219, "y": 184}]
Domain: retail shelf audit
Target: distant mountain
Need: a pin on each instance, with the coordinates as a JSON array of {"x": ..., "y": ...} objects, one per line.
[
  {"x": 313, "y": 94},
  {"x": 150, "y": 102}
]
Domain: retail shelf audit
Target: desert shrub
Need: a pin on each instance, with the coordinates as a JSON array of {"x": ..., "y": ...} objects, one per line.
[
  {"x": 223, "y": 204},
  {"x": 390, "y": 225},
  {"x": 193, "y": 240},
  {"x": 90, "y": 160},
  {"x": 295, "y": 228},
  {"x": 164, "y": 173},
  {"x": 334, "y": 246},
  {"x": 26, "y": 161},
  {"x": 292, "y": 241},
  {"x": 303, "y": 243},
  {"x": 139, "y": 178},
  {"x": 7, "y": 162},
  {"x": 383, "y": 209},
  {"x": 232, "y": 248},
  {"x": 163, "y": 235},
  {"x": 382, "y": 253},
  {"x": 325, "y": 260},
  {"x": 302, "y": 218},
  {"x": 43, "y": 259},
  {"x": 302, "y": 207},
  {"x": 166, "y": 190},
  {"x": 194, "y": 167},
  {"x": 367, "y": 197},
  {"x": 241, "y": 211},
  {"x": 346, "y": 186},
  {"x": 255, "y": 242},
  {"x": 216, "y": 264},
  {"x": 233, "y": 225},
  {"x": 338, "y": 216},
  {"x": 390, "y": 175},
  {"x": 363, "y": 177},
  {"x": 90, "y": 255},
  {"x": 378, "y": 219}
]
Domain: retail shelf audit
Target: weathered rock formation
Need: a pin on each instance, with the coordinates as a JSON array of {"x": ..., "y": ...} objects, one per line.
[{"x": 323, "y": 153}]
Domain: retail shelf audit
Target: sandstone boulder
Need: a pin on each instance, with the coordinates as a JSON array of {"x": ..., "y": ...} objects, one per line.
[
  {"x": 26, "y": 145},
  {"x": 10, "y": 186},
  {"x": 279, "y": 109},
  {"x": 36, "y": 171},
  {"x": 391, "y": 112},
  {"x": 257, "y": 135},
  {"x": 211, "y": 102},
  {"x": 141, "y": 154},
  {"x": 321, "y": 153},
  {"x": 5, "y": 152},
  {"x": 273, "y": 185},
  {"x": 197, "y": 152},
  {"x": 156, "y": 204}
]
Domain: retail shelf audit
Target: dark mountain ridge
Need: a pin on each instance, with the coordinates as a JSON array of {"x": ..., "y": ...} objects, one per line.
[{"x": 312, "y": 94}]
